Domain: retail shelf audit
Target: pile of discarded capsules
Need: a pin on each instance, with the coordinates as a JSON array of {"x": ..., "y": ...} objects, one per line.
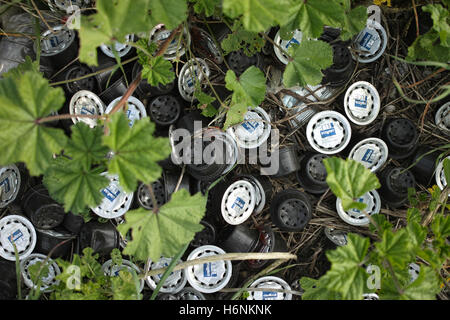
[{"x": 257, "y": 206}]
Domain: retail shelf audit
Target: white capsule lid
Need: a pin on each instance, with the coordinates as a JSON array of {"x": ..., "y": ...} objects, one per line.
[
  {"x": 413, "y": 270},
  {"x": 362, "y": 103},
  {"x": 56, "y": 40},
  {"x": 440, "y": 175},
  {"x": 254, "y": 131},
  {"x": 18, "y": 230},
  {"x": 48, "y": 280},
  {"x": 177, "y": 47},
  {"x": 296, "y": 38},
  {"x": 268, "y": 283},
  {"x": 238, "y": 202},
  {"x": 356, "y": 217},
  {"x": 442, "y": 118},
  {"x": 259, "y": 192},
  {"x": 194, "y": 71},
  {"x": 230, "y": 155},
  {"x": 370, "y": 296},
  {"x": 371, "y": 152},
  {"x": 136, "y": 109},
  {"x": 338, "y": 237},
  {"x": 328, "y": 132},
  {"x": 371, "y": 42},
  {"x": 112, "y": 270},
  {"x": 215, "y": 51},
  {"x": 9, "y": 184},
  {"x": 64, "y": 5},
  {"x": 122, "y": 49},
  {"x": 208, "y": 277},
  {"x": 190, "y": 293},
  {"x": 116, "y": 202},
  {"x": 174, "y": 283},
  {"x": 88, "y": 103}
]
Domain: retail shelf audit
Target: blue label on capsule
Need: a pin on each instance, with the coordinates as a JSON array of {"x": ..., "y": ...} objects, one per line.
[
  {"x": 15, "y": 236},
  {"x": 251, "y": 126},
  {"x": 238, "y": 203},
  {"x": 361, "y": 200},
  {"x": 209, "y": 270},
  {"x": 328, "y": 131},
  {"x": 111, "y": 195},
  {"x": 293, "y": 40},
  {"x": 5, "y": 185},
  {"x": 361, "y": 102},
  {"x": 269, "y": 295},
  {"x": 368, "y": 156},
  {"x": 84, "y": 110},
  {"x": 365, "y": 41}
]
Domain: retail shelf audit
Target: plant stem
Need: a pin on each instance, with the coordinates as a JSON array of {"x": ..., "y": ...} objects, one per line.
[{"x": 68, "y": 116}]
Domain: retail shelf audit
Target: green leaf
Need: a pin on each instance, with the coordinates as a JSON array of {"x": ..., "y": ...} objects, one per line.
[
  {"x": 135, "y": 151},
  {"x": 116, "y": 257},
  {"x": 349, "y": 180},
  {"x": 28, "y": 65},
  {"x": 309, "y": 59},
  {"x": 124, "y": 287},
  {"x": 311, "y": 16},
  {"x": 347, "y": 276},
  {"x": 169, "y": 12},
  {"x": 395, "y": 247},
  {"x": 23, "y": 101},
  {"x": 440, "y": 16},
  {"x": 158, "y": 71},
  {"x": 381, "y": 222},
  {"x": 85, "y": 145},
  {"x": 316, "y": 290},
  {"x": 113, "y": 21},
  {"x": 241, "y": 39},
  {"x": 75, "y": 186},
  {"x": 204, "y": 104},
  {"x": 354, "y": 21},
  {"x": 427, "y": 47},
  {"x": 446, "y": 166},
  {"x": 205, "y": 6},
  {"x": 417, "y": 234},
  {"x": 258, "y": 15},
  {"x": 166, "y": 232},
  {"x": 441, "y": 226}
]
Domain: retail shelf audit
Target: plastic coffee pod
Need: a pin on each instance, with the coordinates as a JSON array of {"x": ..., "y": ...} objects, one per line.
[
  {"x": 267, "y": 284},
  {"x": 19, "y": 231},
  {"x": 205, "y": 46},
  {"x": 58, "y": 241},
  {"x": 144, "y": 197},
  {"x": 65, "y": 6},
  {"x": 192, "y": 121},
  {"x": 370, "y": 43},
  {"x": 362, "y": 103},
  {"x": 371, "y": 152},
  {"x": 254, "y": 131},
  {"x": 86, "y": 103},
  {"x": 73, "y": 223},
  {"x": 121, "y": 49},
  {"x": 135, "y": 109},
  {"x": 413, "y": 270},
  {"x": 303, "y": 112},
  {"x": 10, "y": 182},
  {"x": 357, "y": 217},
  {"x": 171, "y": 182},
  {"x": 440, "y": 175},
  {"x": 442, "y": 118},
  {"x": 269, "y": 241},
  {"x": 47, "y": 275},
  {"x": 101, "y": 237},
  {"x": 330, "y": 34},
  {"x": 395, "y": 182},
  {"x": 43, "y": 212},
  {"x": 205, "y": 237},
  {"x": 8, "y": 281},
  {"x": 370, "y": 296},
  {"x": 295, "y": 39},
  {"x": 239, "y": 238},
  {"x": 145, "y": 90},
  {"x": 208, "y": 277},
  {"x": 400, "y": 135},
  {"x": 239, "y": 61},
  {"x": 105, "y": 73},
  {"x": 342, "y": 68},
  {"x": 112, "y": 270},
  {"x": 78, "y": 71},
  {"x": 338, "y": 237},
  {"x": 288, "y": 161},
  {"x": 177, "y": 46},
  {"x": 238, "y": 202},
  {"x": 165, "y": 110},
  {"x": 291, "y": 210},
  {"x": 167, "y": 296},
  {"x": 174, "y": 283},
  {"x": 263, "y": 189},
  {"x": 424, "y": 165},
  {"x": 116, "y": 202},
  {"x": 189, "y": 293},
  {"x": 328, "y": 132},
  {"x": 58, "y": 47},
  {"x": 115, "y": 89},
  {"x": 313, "y": 174},
  {"x": 193, "y": 75}
]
